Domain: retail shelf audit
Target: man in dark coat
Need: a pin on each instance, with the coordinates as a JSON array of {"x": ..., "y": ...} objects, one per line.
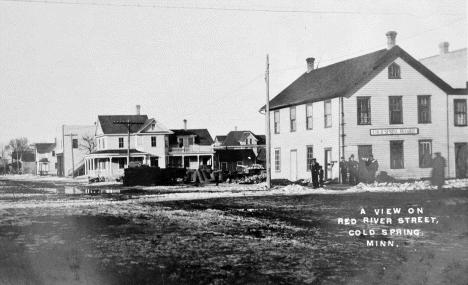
[
  {"x": 320, "y": 174},
  {"x": 343, "y": 170},
  {"x": 352, "y": 168},
  {"x": 372, "y": 167},
  {"x": 314, "y": 169},
  {"x": 438, "y": 171}
]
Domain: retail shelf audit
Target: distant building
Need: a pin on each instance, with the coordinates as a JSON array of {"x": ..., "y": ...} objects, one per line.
[
  {"x": 190, "y": 148},
  {"x": 27, "y": 162},
  {"x": 385, "y": 103},
  {"x": 78, "y": 146},
  {"x": 450, "y": 66},
  {"x": 239, "y": 148},
  {"x": 148, "y": 144},
  {"x": 46, "y": 161}
]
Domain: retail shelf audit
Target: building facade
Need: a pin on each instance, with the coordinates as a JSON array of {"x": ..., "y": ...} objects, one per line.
[
  {"x": 46, "y": 160},
  {"x": 385, "y": 104},
  {"x": 73, "y": 142},
  {"x": 115, "y": 135}
]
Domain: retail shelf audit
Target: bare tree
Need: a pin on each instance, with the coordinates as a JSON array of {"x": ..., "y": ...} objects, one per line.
[
  {"x": 18, "y": 145},
  {"x": 88, "y": 143}
]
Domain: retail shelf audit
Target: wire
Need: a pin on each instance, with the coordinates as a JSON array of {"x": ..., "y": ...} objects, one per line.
[{"x": 220, "y": 8}]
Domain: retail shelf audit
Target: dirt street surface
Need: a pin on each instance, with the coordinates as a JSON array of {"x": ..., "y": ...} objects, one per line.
[{"x": 52, "y": 232}]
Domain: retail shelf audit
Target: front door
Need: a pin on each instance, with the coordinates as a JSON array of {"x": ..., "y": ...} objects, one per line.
[
  {"x": 461, "y": 160},
  {"x": 293, "y": 173},
  {"x": 327, "y": 168}
]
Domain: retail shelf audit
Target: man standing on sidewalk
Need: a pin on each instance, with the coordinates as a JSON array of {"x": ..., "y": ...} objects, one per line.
[{"x": 343, "y": 170}]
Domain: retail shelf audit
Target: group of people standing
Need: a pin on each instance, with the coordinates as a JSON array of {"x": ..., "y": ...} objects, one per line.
[
  {"x": 362, "y": 171},
  {"x": 317, "y": 174}
]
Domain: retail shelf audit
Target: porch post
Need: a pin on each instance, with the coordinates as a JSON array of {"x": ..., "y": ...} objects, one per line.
[
  {"x": 198, "y": 161},
  {"x": 110, "y": 165}
]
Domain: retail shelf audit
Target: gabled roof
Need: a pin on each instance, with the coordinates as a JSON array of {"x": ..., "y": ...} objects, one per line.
[
  {"x": 108, "y": 127},
  {"x": 202, "y": 136},
  {"x": 43, "y": 147},
  {"x": 51, "y": 148},
  {"x": 220, "y": 138},
  {"x": 234, "y": 137},
  {"x": 340, "y": 78}
]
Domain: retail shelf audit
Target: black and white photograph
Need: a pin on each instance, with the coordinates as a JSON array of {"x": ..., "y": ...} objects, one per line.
[{"x": 239, "y": 142}]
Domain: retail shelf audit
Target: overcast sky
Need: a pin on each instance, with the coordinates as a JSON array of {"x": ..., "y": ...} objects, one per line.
[{"x": 203, "y": 61}]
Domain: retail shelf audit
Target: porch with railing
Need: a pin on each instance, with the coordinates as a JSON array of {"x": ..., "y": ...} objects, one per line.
[{"x": 191, "y": 149}]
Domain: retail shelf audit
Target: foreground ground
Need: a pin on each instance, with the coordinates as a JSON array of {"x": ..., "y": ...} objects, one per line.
[{"x": 132, "y": 238}]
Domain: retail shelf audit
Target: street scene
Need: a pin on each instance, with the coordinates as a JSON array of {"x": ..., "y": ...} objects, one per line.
[{"x": 200, "y": 142}]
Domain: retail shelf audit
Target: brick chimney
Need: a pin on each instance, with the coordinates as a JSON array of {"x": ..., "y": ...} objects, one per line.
[
  {"x": 443, "y": 48},
  {"x": 138, "y": 110},
  {"x": 391, "y": 36},
  {"x": 310, "y": 64},
  {"x": 185, "y": 124}
]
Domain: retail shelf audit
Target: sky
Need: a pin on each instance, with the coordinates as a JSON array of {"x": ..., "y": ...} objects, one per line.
[{"x": 66, "y": 62}]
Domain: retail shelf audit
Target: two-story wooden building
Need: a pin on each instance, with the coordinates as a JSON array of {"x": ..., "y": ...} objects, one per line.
[
  {"x": 148, "y": 144},
  {"x": 385, "y": 103}
]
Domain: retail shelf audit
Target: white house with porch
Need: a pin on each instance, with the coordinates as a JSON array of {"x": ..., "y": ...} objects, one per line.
[{"x": 146, "y": 138}]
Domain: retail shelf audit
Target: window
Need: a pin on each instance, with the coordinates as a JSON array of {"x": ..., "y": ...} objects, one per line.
[
  {"x": 224, "y": 165},
  {"x": 460, "y": 112},
  {"x": 75, "y": 143},
  {"x": 292, "y": 117},
  {"x": 363, "y": 111},
  {"x": 153, "y": 126},
  {"x": 153, "y": 141},
  {"x": 394, "y": 71},
  {"x": 396, "y": 110},
  {"x": 309, "y": 122},
  {"x": 328, "y": 117},
  {"x": 277, "y": 160},
  {"x": 240, "y": 163},
  {"x": 277, "y": 122},
  {"x": 310, "y": 155},
  {"x": 396, "y": 155},
  {"x": 425, "y": 153},
  {"x": 53, "y": 153},
  {"x": 424, "y": 109},
  {"x": 121, "y": 142}
]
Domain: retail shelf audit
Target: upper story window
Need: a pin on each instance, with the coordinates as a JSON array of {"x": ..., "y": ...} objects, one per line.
[
  {"x": 292, "y": 117},
  {"x": 309, "y": 121},
  {"x": 153, "y": 141},
  {"x": 459, "y": 106},
  {"x": 328, "y": 114},
  {"x": 424, "y": 109},
  {"x": 121, "y": 142},
  {"x": 396, "y": 110},
  {"x": 53, "y": 153},
  {"x": 277, "y": 122},
  {"x": 363, "y": 111},
  {"x": 153, "y": 126},
  {"x": 75, "y": 143},
  {"x": 394, "y": 71}
]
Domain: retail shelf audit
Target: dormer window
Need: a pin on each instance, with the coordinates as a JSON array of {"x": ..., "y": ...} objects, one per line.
[
  {"x": 153, "y": 126},
  {"x": 394, "y": 71}
]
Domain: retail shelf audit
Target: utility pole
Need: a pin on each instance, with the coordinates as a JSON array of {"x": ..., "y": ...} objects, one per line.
[
  {"x": 71, "y": 144},
  {"x": 267, "y": 123},
  {"x": 128, "y": 124}
]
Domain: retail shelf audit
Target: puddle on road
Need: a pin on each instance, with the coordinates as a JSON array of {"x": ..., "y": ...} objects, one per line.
[{"x": 78, "y": 191}]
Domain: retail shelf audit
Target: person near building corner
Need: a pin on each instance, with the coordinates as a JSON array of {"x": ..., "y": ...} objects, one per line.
[
  {"x": 438, "y": 171},
  {"x": 352, "y": 169},
  {"x": 314, "y": 169},
  {"x": 343, "y": 170},
  {"x": 320, "y": 174},
  {"x": 372, "y": 168}
]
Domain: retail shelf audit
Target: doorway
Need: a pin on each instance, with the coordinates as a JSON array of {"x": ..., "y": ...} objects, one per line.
[
  {"x": 293, "y": 172},
  {"x": 461, "y": 160},
  {"x": 364, "y": 151},
  {"x": 328, "y": 164}
]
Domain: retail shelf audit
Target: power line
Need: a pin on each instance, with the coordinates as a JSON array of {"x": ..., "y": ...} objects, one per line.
[{"x": 220, "y": 8}]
